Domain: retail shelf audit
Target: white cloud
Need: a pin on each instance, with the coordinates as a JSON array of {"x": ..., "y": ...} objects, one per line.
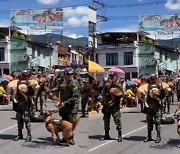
[
  {"x": 131, "y": 28},
  {"x": 173, "y": 5},
  {"x": 75, "y": 12},
  {"x": 5, "y": 23},
  {"x": 76, "y": 22},
  {"x": 47, "y": 2},
  {"x": 71, "y": 34}
]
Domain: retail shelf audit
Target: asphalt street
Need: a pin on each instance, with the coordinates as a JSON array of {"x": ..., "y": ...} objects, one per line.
[
  {"x": 41, "y": 139},
  {"x": 134, "y": 131}
]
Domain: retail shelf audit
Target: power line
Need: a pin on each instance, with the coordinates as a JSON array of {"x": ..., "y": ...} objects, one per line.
[{"x": 136, "y": 4}]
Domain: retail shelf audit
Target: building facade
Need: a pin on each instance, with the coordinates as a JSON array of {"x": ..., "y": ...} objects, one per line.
[
  {"x": 18, "y": 52},
  {"x": 134, "y": 55}
]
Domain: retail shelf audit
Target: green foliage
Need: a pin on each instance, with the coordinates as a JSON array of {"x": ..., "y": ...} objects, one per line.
[
  {"x": 143, "y": 39},
  {"x": 28, "y": 38},
  {"x": 15, "y": 35},
  {"x": 150, "y": 41},
  {"x": 22, "y": 37}
]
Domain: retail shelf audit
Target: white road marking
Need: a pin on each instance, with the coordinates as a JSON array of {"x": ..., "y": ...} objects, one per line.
[
  {"x": 101, "y": 145},
  {"x": 114, "y": 140},
  {"x": 8, "y": 128}
]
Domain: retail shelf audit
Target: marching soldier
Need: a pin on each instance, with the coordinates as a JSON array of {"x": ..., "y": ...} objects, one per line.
[
  {"x": 154, "y": 114},
  {"x": 23, "y": 109},
  {"x": 111, "y": 106}
]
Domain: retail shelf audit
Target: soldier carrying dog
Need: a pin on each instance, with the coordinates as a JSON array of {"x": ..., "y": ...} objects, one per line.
[
  {"x": 111, "y": 106},
  {"x": 23, "y": 108},
  {"x": 154, "y": 109}
]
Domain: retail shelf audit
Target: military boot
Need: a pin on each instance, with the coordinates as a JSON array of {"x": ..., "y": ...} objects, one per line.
[
  {"x": 119, "y": 136},
  {"x": 158, "y": 139},
  {"x": 19, "y": 136},
  {"x": 106, "y": 136},
  {"x": 29, "y": 137},
  {"x": 149, "y": 137}
]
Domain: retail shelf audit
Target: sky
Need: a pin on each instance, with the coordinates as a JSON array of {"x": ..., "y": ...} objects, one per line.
[{"x": 122, "y": 15}]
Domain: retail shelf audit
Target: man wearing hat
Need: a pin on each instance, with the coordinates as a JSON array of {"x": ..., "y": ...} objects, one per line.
[
  {"x": 69, "y": 99},
  {"x": 112, "y": 94},
  {"x": 23, "y": 108},
  {"x": 154, "y": 114}
]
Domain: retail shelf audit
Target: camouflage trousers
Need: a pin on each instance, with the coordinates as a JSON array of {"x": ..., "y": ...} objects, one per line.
[
  {"x": 23, "y": 117},
  {"x": 84, "y": 102},
  {"x": 116, "y": 114},
  {"x": 153, "y": 119}
]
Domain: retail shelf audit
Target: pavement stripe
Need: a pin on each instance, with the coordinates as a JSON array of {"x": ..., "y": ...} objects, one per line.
[
  {"x": 8, "y": 128},
  {"x": 101, "y": 145}
]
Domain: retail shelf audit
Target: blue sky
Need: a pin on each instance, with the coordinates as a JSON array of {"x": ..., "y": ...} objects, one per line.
[{"x": 114, "y": 10}]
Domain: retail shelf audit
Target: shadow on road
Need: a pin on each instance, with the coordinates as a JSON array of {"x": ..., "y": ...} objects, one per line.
[
  {"x": 7, "y": 137},
  {"x": 99, "y": 137},
  {"x": 170, "y": 144},
  {"x": 143, "y": 121},
  {"x": 135, "y": 138},
  {"x": 41, "y": 143}
]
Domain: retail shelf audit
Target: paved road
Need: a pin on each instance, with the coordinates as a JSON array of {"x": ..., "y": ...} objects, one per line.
[
  {"x": 41, "y": 141},
  {"x": 134, "y": 132}
]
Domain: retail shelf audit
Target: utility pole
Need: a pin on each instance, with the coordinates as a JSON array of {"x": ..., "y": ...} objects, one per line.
[{"x": 96, "y": 5}]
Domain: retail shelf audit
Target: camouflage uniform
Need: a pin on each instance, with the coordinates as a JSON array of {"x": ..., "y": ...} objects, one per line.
[
  {"x": 84, "y": 94},
  {"x": 23, "y": 110},
  {"x": 113, "y": 110},
  {"x": 154, "y": 114},
  {"x": 69, "y": 95}
]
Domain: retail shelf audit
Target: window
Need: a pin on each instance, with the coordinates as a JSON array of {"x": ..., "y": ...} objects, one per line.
[
  {"x": 2, "y": 54},
  {"x": 111, "y": 59},
  {"x": 127, "y": 76},
  {"x": 128, "y": 58},
  {"x": 6, "y": 71},
  {"x": 134, "y": 75}
]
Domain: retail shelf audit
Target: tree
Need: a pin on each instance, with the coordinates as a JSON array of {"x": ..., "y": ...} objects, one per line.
[
  {"x": 22, "y": 37},
  {"x": 149, "y": 41},
  {"x": 143, "y": 39},
  {"x": 15, "y": 35}
]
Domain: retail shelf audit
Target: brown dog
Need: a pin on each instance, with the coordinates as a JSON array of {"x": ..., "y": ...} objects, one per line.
[{"x": 54, "y": 126}]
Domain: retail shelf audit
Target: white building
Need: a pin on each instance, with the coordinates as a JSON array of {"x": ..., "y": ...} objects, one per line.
[{"x": 124, "y": 56}]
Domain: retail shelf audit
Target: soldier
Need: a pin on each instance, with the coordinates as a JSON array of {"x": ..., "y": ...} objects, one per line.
[
  {"x": 111, "y": 107},
  {"x": 154, "y": 114},
  {"x": 84, "y": 94},
  {"x": 23, "y": 109},
  {"x": 69, "y": 98}
]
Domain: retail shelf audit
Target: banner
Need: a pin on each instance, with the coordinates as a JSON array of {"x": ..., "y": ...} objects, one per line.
[
  {"x": 48, "y": 17},
  {"x": 159, "y": 23}
]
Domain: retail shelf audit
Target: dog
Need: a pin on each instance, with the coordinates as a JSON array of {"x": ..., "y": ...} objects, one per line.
[
  {"x": 54, "y": 126},
  {"x": 177, "y": 114}
]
